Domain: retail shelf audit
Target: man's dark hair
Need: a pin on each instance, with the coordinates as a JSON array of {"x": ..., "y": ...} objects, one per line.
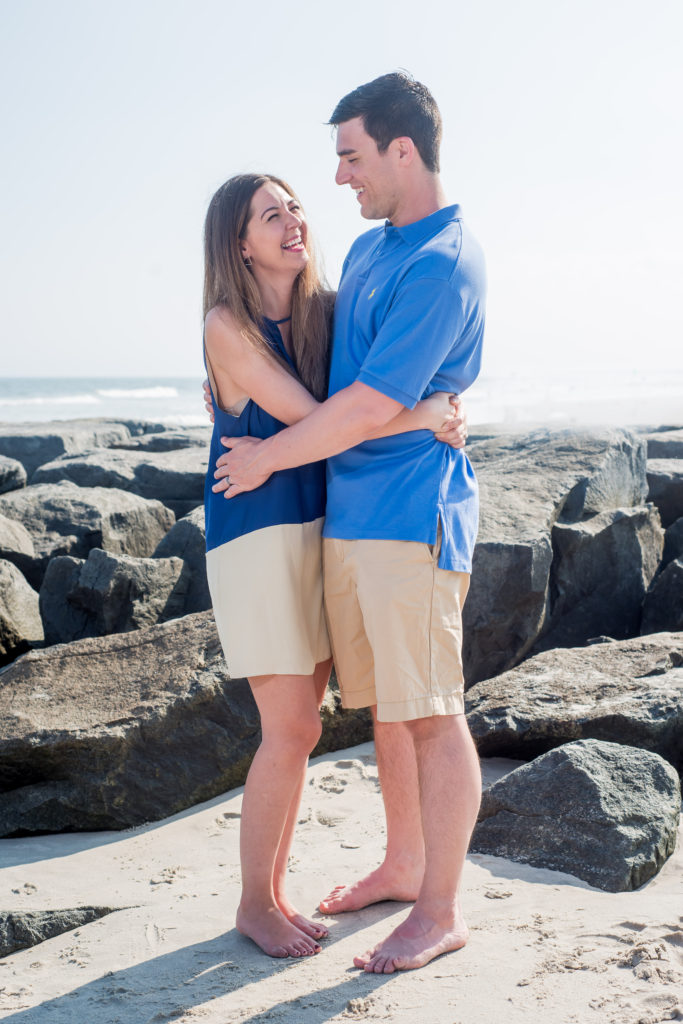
[{"x": 392, "y": 106}]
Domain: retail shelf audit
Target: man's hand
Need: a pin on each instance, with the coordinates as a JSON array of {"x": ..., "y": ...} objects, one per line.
[
  {"x": 235, "y": 471},
  {"x": 454, "y": 432},
  {"x": 208, "y": 404}
]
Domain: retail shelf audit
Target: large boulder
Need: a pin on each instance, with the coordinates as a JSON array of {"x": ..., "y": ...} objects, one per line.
[
  {"x": 673, "y": 543},
  {"x": 109, "y": 594},
  {"x": 603, "y": 812},
  {"x": 168, "y": 440},
  {"x": 32, "y": 444},
  {"x": 187, "y": 540},
  {"x": 663, "y": 604},
  {"x": 22, "y": 929},
  {"x": 602, "y": 568},
  {"x": 528, "y": 483},
  {"x": 174, "y": 477},
  {"x": 12, "y": 475},
  {"x": 63, "y": 519},
  {"x": 111, "y": 732},
  {"x": 665, "y": 444},
  {"x": 665, "y": 480},
  {"x": 16, "y": 544},
  {"x": 624, "y": 691},
  {"x": 20, "y": 624}
]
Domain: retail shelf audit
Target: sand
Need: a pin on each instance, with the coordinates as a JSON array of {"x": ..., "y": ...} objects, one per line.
[{"x": 544, "y": 945}]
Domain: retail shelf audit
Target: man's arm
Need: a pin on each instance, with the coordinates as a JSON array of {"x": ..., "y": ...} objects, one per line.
[{"x": 343, "y": 421}]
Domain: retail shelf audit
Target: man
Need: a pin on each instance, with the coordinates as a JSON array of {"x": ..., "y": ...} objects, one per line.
[{"x": 401, "y": 511}]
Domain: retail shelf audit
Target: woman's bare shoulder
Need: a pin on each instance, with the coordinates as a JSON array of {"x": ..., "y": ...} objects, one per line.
[{"x": 221, "y": 329}]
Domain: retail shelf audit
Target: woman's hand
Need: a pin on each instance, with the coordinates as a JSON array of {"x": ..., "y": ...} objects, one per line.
[
  {"x": 445, "y": 416},
  {"x": 208, "y": 404}
]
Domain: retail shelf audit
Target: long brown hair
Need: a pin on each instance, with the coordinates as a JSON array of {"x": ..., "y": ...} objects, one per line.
[{"x": 229, "y": 282}]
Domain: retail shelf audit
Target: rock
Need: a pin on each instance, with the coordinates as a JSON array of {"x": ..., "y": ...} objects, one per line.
[
  {"x": 665, "y": 480},
  {"x": 12, "y": 475},
  {"x": 624, "y": 691},
  {"x": 16, "y": 544},
  {"x": 673, "y": 542},
  {"x": 111, "y": 732},
  {"x": 21, "y": 929},
  {"x": 601, "y": 571},
  {"x": 603, "y": 812},
  {"x": 528, "y": 483},
  {"x": 33, "y": 444},
  {"x": 168, "y": 440},
  {"x": 20, "y": 624},
  {"x": 175, "y": 477},
  {"x": 663, "y": 604},
  {"x": 187, "y": 540},
  {"x": 666, "y": 444},
  {"x": 109, "y": 594},
  {"x": 63, "y": 519}
]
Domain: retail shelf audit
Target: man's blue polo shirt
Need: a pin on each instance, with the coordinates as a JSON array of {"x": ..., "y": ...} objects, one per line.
[{"x": 408, "y": 321}]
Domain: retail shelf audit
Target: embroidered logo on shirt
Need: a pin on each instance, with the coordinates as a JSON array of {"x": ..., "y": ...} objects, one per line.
[{"x": 372, "y": 293}]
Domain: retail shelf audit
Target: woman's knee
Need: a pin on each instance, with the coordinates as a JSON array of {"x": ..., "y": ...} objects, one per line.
[{"x": 297, "y": 733}]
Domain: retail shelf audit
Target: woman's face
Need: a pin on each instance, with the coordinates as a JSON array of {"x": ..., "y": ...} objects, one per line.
[{"x": 275, "y": 239}]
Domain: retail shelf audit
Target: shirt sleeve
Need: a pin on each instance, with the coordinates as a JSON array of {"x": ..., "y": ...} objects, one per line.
[{"x": 424, "y": 326}]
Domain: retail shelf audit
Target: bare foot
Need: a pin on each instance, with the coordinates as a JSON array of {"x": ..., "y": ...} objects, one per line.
[
  {"x": 315, "y": 929},
  {"x": 381, "y": 884},
  {"x": 270, "y": 929},
  {"x": 413, "y": 944}
]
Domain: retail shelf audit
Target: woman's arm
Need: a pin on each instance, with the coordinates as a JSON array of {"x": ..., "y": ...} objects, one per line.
[
  {"x": 442, "y": 413},
  {"x": 248, "y": 373}
]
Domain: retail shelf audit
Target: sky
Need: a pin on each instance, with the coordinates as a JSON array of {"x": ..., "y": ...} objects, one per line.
[{"x": 562, "y": 143}]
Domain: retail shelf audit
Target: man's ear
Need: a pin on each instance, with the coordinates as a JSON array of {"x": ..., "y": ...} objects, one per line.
[{"x": 405, "y": 149}]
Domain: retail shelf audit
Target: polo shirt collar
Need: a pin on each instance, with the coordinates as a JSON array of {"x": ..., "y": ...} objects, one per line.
[{"x": 419, "y": 230}]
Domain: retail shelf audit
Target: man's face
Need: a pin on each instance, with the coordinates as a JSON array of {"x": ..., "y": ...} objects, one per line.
[{"x": 371, "y": 174}]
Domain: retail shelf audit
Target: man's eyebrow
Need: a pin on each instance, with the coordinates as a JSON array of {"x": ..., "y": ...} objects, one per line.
[{"x": 345, "y": 152}]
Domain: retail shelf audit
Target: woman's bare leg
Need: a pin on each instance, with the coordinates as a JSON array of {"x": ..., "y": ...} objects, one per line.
[
  {"x": 290, "y": 727},
  {"x": 315, "y": 929}
]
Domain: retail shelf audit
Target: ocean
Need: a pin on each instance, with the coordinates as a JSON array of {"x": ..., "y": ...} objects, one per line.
[{"x": 615, "y": 397}]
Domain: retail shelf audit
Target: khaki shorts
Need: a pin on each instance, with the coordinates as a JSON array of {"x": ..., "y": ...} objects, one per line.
[{"x": 395, "y": 624}]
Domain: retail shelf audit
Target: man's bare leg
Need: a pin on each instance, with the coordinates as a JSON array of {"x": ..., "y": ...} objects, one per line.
[
  {"x": 290, "y": 726},
  {"x": 315, "y": 929},
  {"x": 399, "y": 876},
  {"x": 450, "y": 791}
]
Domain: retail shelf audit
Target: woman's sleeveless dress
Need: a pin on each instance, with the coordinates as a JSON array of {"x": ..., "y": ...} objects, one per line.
[{"x": 263, "y": 555}]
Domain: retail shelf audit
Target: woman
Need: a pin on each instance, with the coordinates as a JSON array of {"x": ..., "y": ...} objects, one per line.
[{"x": 267, "y": 324}]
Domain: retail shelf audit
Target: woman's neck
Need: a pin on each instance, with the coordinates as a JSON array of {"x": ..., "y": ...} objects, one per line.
[{"x": 276, "y": 296}]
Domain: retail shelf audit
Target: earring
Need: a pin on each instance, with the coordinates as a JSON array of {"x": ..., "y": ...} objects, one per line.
[{"x": 247, "y": 261}]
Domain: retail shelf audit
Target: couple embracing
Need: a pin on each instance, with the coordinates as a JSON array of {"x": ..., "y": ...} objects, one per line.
[{"x": 344, "y": 484}]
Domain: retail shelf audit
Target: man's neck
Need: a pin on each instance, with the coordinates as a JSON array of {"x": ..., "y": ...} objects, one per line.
[{"x": 426, "y": 197}]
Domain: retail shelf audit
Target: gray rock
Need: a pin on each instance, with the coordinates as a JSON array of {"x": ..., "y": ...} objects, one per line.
[
  {"x": 603, "y": 812},
  {"x": 663, "y": 604},
  {"x": 111, "y": 732},
  {"x": 601, "y": 571},
  {"x": 16, "y": 544},
  {"x": 665, "y": 480},
  {"x": 667, "y": 444},
  {"x": 174, "y": 477},
  {"x": 21, "y": 929},
  {"x": 20, "y": 624},
  {"x": 12, "y": 475},
  {"x": 673, "y": 543},
  {"x": 168, "y": 440},
  {"x": 63, "y": 519},
  {"x": 528, "y": 483},
  {"x": 109, "y": 594},
  {"x": 187, "y": 540},
  {"x": 624, "y": 691},
  {"x": 33, "y": 444}
]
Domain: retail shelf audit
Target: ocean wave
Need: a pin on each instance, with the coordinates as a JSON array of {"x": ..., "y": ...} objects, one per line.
[
  {"x": 154, "y": 392},
  {"x": 53, "y": 400}
]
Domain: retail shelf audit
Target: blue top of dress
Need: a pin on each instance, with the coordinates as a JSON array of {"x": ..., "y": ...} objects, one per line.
[{"x": 289, "y": 496}]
